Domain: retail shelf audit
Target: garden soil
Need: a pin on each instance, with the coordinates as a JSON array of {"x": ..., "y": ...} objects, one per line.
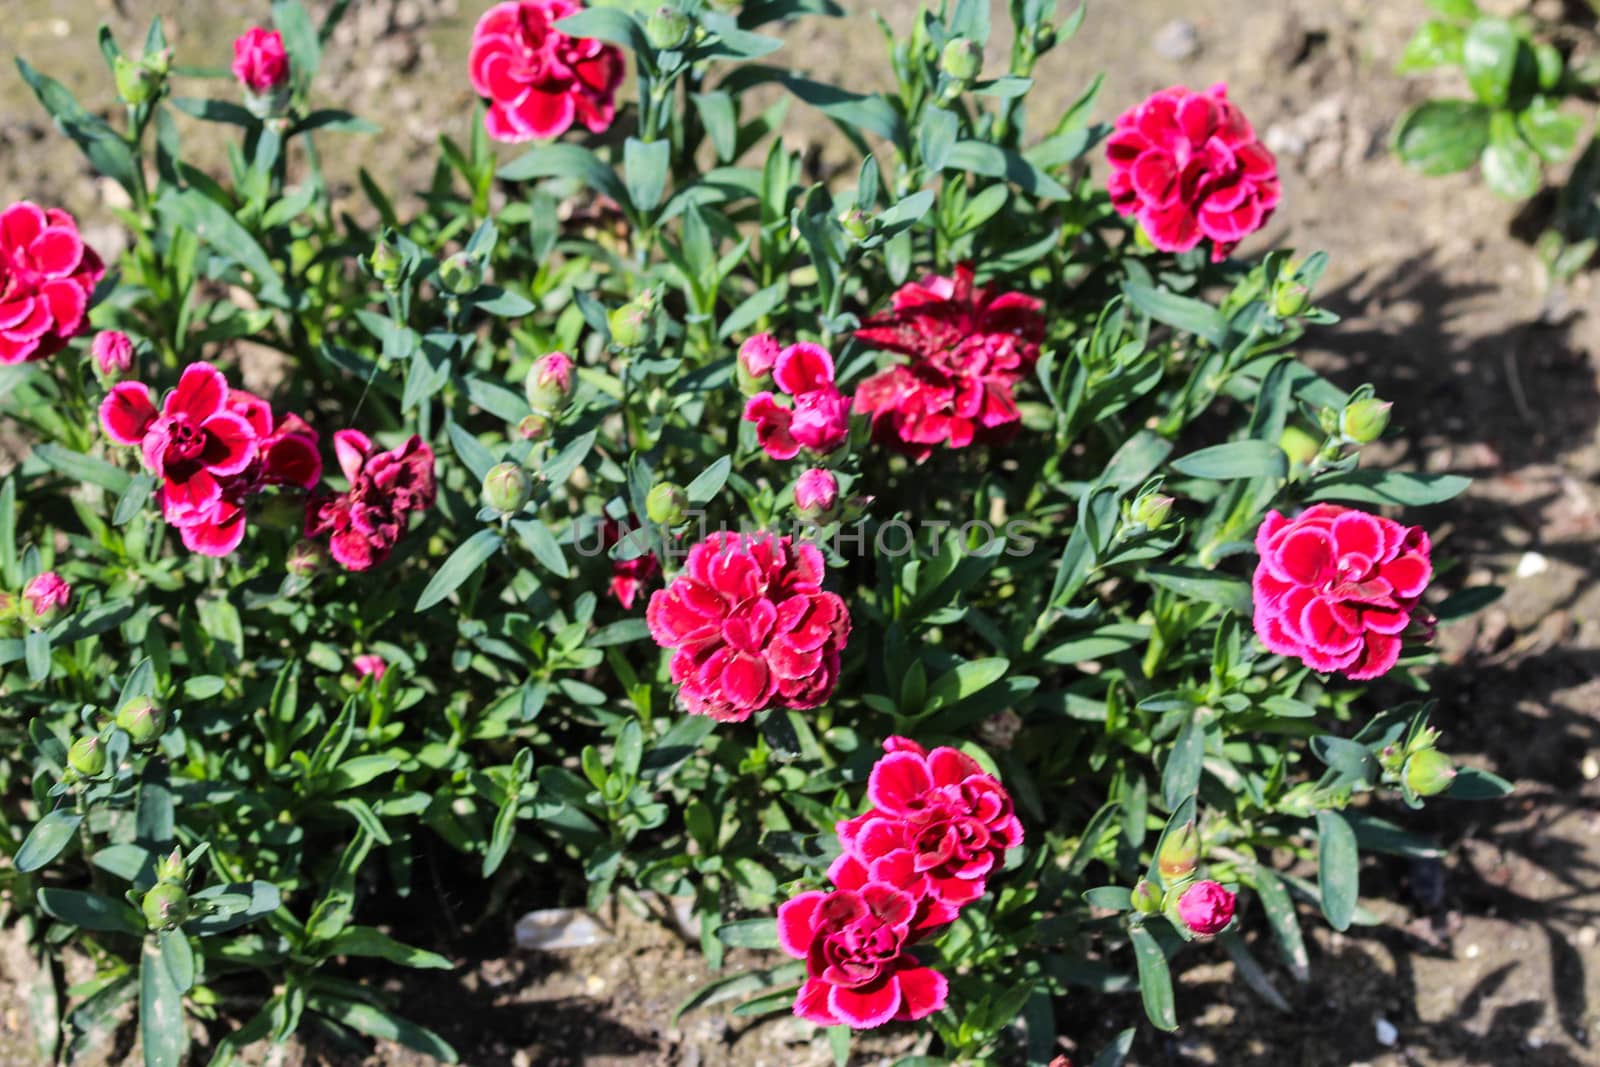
[{"x": 1488, "y": 956}]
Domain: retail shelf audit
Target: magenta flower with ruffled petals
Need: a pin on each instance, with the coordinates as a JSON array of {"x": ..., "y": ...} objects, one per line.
[
  {"x": 751, "y": 626},
  {"x": 367, "y": 520},
  {"x": 1336, "y": 588},
  {"x": 858, "y": 970},
  {"x": 47, "y": 275},
  {"x": 817, "y": 417},
  {"x": 538, "y": 80},
  {"x": 1206, "y": 908}
]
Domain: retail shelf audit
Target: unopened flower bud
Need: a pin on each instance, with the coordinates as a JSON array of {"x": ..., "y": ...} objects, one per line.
[
  {"x": 961, "y": 60},
  {"x": 142, "y": 720},
  {"x": 305, "y": 559},
  {"x": 631, "y": 324},
  {"x": 1429, "y": 772},
  {"x": 1151, "y": 510},
  {"x": 1180, "y": 854},
  {"x": 87, "y": 756},
  {"x": 44, "y": 599},
  {"x": 371, "y": 665},
  {"x": 10, "y": 606},
  {"x": 113, "y": 354},
  {"x": 757, "y": 356},
  {"x": 137, "y": 82},
  {"x": 856, "y": 223},
  {"x": 1299, "y": 445},
  {"x": 550, "y": 384},
  {"x": 385, "y": 262},
  {"x": 165, "y": 906},
  {"x": 667, "y": 504},
  {"x": 506, "y": 488},
  {"x": 667, "y": 28},
  {"x": 171, "y": 868},
  {"x": 461, "y": 274},
  {"x": 1205, "y": 908},
  {"x": 1146, "y": 897},
  {"x": 816, "y": 495},
  {"x": 533, "y": 428},
  {"x": 1364, "y": 420}
]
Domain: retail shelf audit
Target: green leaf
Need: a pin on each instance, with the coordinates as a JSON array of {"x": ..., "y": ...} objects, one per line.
[
  {"x": 855, "y": 111},
  {"x": 1389, "y": 487},
  {"x": 224, "y": 111},
  {"x": 1155, "y": 980},
  {"x": 720, "y": 117},
  {"x": 463, "y": 563},
  {"x": 1180, "y": 779},
  {"x": 1338, "y": 869},
  {"x": 1235, "y": 460},
  {"x": 161, "y": 1027},
  {"x": 1551, "y": 132},
  {"x": 1466, "y": 602},
  {"x": 709, "y": 482},
  {"x": 1470, "y": 783},
  {"x": 375, "y": 1022},
  {"x": 353, "y": 773},
  {"x": 567, "y": 161},
  {"x": 108, "y": 152},
  {"x": 472, "y": 452},
  {"x": 645, "y": 166},
  {"x": 36, "y": 652},
  {"x": 1180, "y": 312},
  {"x": 1456, "y": 9},
  {"x": 177, "y": 955},
  {"x": 1350, "y": 763},
  {"x": 234, "y": 905},
  {"x": 1231, "y": 594},
  {"x": 91, "y": 911},
  {"x": 367, "y": 941},
  {"x": 1116, "y": 1053},
  {"x": 1435, "y": 44},
  {"x": 1442, "y": 136},
  {"x": 1510, "y": 165},
  {"x": 300, "y": 40},
  {"x": 84, "y": 468},
  {"x": 335, "y": 120},
  {"x": 1489, "y": 57},
  {"x": 1110, "y": 897},
  {"x": 1279, "y": 908},
  {"x": 46, "y": 840},
  {"x": 133, "y": 499},
  {"x": 749, "y": 933},
  {"x": 542, "y": 543},
  {"x": 990, "y": 160},
  {"x": 965, "y": 680},
  {"x": 607, "y": 24},
  {"x": 215, "y": 225}
]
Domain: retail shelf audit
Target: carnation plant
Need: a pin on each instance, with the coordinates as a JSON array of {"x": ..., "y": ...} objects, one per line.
[{"x": 946, "y": 577}]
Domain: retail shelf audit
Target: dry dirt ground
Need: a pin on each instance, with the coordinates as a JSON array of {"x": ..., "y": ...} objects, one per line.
[{"x": 1490, "y": 957}]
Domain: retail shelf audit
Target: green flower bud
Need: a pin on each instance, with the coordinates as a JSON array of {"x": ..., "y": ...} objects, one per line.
[
  {"x": 165, "y": 906},
  {"x": 506, "y": 488},
  {"x": 142, "y": 720},
  {"x": 631, "y": 324},
  {"x": 1180, "y": 854},
  {"x": 667, "y": 28},
  {"x": 171, "y": 868},
  {"x": 385, "y": 262},
  {"x": 667, "y": 504},
  {"x": 1429, "y": 772},
  {"x": 137, "y": 83},
  {"x": 1365, "y": 420},
  {"x": 1290, "y": 297},
  {"x": 551, "y": 383},
  {"x": 1299, "y": 445},
  {"x": 87, "y": 756},
  {"x": 533, "y": 428},
  {"x": 10, "y": 607},
  {"x": 1146, "y": 897},
  {"x": 855, "y": 223},
  {"x": 305, "y": 559},
  {"x": 1151, "y": 510},
  {"x": 461, "y": 274},
  {"x": 961, "y": 60}
]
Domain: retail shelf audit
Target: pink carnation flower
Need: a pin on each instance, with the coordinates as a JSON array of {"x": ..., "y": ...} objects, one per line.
[
  {"x": 751, "y": 626},
  {"x": 537, "y": 79},
  {"x": 47, "y": 275},
  {"x": 45, "y": 598},
  {"x": 1188, "y": 166},
  {"x": 1206, "y": 908},
  {"x": 367, "y": 520},
  {"x": 938, "y": 810},
  {"x": 858, "y": 970},
  {"x": 1336, "y": 587},
  {"x": 371, "y": 665},
  {"x": 260, "y": 62},
  {"x": 818, "y": 416},
  {"x": 113, "y": 353},
  {"x": 969, "y": 347}
]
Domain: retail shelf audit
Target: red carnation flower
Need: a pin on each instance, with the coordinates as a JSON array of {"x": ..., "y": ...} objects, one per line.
[
  {"x": 969, "y": 346},
  {"x": 941, "y": 811},
  {"x": 47, "y": 275},
  {"x": 539, "y": 80},
  {"x": 1336, "y": 587},
  {"x": 751, "y": 625},
  {"x": 818, "y": 415},
  {"x": 858, "y": 972},
  {"x": 1188, "y": 166},
  {"x": 1206, "y": 908},
  {"x": 367, "y": 520},
  {"x": 260, "y": 61}
]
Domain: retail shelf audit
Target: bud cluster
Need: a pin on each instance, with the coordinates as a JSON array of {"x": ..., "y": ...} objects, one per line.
[
  {"x": 1418, "y": 766},
  {"x": 166, "y": 904}
]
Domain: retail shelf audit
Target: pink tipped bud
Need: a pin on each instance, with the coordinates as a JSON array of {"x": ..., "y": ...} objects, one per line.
[
  {"x": 113, "y": 353},
  {"x": 816, "y": 494},
  {"x": 757, "y": 356},
  {"x": 550, "y": 383},
  {"x": 44, "y": 599},
  {"x": 1206, "y": 908},
  {"x": 260, "y": 61},
  {"x": 1180, "y": 854},
  {"x": 371, "y": 666}
]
